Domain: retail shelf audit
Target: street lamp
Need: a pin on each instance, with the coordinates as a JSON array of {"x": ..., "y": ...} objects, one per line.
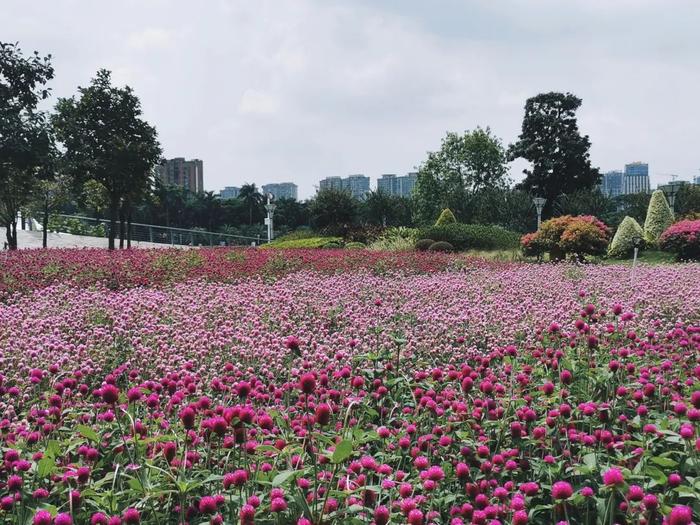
[
  {"x": 270, "y": 212},
  {"x": 539, "y": 204},
  {"x": 672, "y": 191}
]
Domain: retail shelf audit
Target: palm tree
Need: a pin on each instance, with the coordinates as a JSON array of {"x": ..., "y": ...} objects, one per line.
[{"x": 252, "y": 198}]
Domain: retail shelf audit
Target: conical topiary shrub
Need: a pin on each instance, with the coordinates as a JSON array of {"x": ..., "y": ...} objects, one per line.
[
  {"x": 446, "y": 217},
  {"x": 659, "y": 217},
  {"x": 627, "y": 233}
]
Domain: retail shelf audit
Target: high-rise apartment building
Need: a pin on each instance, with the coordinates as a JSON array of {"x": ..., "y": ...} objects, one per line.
[
  {"x": 636, "y": 179},
  {"x": 357, "y": 185},
  {"x": 612, "y": 183},
  {"x": 188, "y": 174},
  {"x": 281, "y": 190},
  {"x": 401, "y": 186},
  {"x": 229, "y": 192}
]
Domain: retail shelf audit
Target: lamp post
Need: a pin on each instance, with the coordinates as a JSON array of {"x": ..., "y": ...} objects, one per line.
[
  {"x": 268, "y": 220},
  {"x": 672, "y": 191},
  {"x": 539, "y": 204}
]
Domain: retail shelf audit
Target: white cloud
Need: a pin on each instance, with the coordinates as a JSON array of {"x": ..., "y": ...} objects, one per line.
[
  {"x": 258, "y": 103},
  {"x": 150, "y": 38}
]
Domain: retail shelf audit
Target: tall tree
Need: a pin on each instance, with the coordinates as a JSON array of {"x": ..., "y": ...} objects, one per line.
[
  {"x": 551, "y": 142},
  {"x": 253, "y": 200},
  {"x": 25, "y": 139},
  {"x": 106, "y": 139},
  {"x": 333, "y": 211},
  {"x": 465, "y": 164}
]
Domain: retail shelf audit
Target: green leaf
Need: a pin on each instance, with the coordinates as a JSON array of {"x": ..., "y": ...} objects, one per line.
[
  {"x": 282, "y": 477},
  {"x": 590, "y": 460},
  {"x": 88, "y": 433},
  {"x": 342, "y": 451},
  {"x": 664, "y": 462},
  {"x": 46, "y": 466}
]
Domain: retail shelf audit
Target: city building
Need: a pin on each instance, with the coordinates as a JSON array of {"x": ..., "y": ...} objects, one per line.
[
  {"x": 357, "y": 185},
  {"x": 281, "y": 190},
  {"x": 188, "y": 174},
  {"x": 229, "y": 192},
  {"x": 401, "y": 186},
  {"x": 331, "y": 183},
  {"x": 612, "y": 183},
  {"x": 696, "y": 180},
  {"x": 636, "y": 179}
]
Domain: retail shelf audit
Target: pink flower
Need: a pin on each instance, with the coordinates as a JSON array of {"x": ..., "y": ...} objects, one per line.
[
  {"x": 613, "y": 477},
  {"x": 562, "y": 490},
  {"x": 680, "y": 515}
]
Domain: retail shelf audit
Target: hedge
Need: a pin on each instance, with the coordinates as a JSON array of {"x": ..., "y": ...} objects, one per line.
[
  {"x": 313, "y": 242},
  {"x": 472, "y": 236}
]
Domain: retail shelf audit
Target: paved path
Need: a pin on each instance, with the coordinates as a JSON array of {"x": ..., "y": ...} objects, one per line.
[{"x": 32, "y": 239}]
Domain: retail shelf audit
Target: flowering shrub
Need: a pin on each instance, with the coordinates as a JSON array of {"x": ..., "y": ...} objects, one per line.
[
  {"x": 580, "y": 235},
  {"x": 683, "y": 239},
  {"x": 502, "y": 394}
]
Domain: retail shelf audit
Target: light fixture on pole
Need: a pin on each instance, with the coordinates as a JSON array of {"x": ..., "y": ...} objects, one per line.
[
  {"x": 268, "y": 220},
  {"x": 539, "y": 204},
  {"x": 672, "y": 191}
]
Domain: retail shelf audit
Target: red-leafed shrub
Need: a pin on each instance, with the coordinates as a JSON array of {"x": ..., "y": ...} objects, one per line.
[
  {"x": 683, "y": 239},
  {"x": 580, "y": 235}
]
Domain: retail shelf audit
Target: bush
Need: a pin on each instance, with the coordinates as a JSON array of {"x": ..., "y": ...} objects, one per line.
[
  {"x": 683, "y": 239},
  {"x": 355, "y": 246},
  {"x": 333, "y": 245},
  {"x": 395, "y": 239},
  {"x": 300, "y": 233},
  {"x": 446, "y": 217},
  {"x": 581, "y": 235},
  {"x": 441, "y": 246},
  {"x": 628, "y": 233},
  {"x": 659, "y": 217},
  {"x": 473, "y": 236},
  {"x": 313, "y": 242},
  {"x": 424, "y": 244}
]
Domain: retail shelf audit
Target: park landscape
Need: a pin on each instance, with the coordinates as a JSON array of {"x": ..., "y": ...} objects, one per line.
[{"x": 469, "y": 351}]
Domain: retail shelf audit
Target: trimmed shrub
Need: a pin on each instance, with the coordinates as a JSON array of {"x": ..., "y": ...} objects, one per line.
[
  {"x": 423, "y": 245},
  {"x": 683, "y": 239},
  {"x": 581, "y": 235},
  {"x": 441, "y": 246},
  {"x": 355, "y": 246},
  {"x": 473, "y": 236},
  {"x": 659, "y": 217},
  {"x": 314, "y": 242},
  {"x": 628, "y": 232},
  {"x": 446, "y": 217}
]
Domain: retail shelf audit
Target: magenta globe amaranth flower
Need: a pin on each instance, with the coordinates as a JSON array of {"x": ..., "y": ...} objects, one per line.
[
  {"x": 63, "y": 519},
  {"x": 562, "y": 490},
  {"x": 613, "y": 477},
  {"x": 42, "y": 517},
  {"x": 680, "y": 515}
]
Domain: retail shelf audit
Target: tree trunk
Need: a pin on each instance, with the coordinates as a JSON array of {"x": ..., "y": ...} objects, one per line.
[
  {"x": 114, "y": 204},
  {"x": 12, "y": 235},
  {"x": 128, "y": 230},
  {"x": 121, "y": 227},
  {"x": 45, "y": 225}
]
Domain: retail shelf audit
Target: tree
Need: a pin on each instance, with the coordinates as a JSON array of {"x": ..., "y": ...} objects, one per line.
[
  {"x": 106, "y": 140},
  {"x": 25, "y": 139},
  {"x": 253, "y": 200},
  {"x": 290, "y": 214},
  {"x": 333, "y": 211},
  {"x": 382, "y": 209},
  {"x": 465, "y": 164},
  {"x": 551, "y": 142},
  {"x": 688, "y": 200},
  {"x": 52, "y": 191}
]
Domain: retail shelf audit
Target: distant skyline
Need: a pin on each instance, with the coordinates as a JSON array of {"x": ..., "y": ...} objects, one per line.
[{"x": 298, "y": 90}]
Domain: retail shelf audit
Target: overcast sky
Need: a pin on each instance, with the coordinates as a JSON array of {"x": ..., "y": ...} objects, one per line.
[{"x": 276, "y": 90}]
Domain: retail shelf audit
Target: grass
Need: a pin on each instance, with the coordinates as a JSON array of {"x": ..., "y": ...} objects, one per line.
[
  {"x": 647, "y": 257},
  {"x": 312, "y": 242}
]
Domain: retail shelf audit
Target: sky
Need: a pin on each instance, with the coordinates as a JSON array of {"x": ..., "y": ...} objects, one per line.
[{"x": 298, "y": 90}]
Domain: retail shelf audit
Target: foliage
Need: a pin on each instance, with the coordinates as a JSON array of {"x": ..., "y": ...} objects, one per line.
[
  {"x": 355, "y": 245},
  {"x": 395, "y": 239},
  {"x": 365, "y": 233},
  {"x": 551, "y": 142},
  {"x": 581, "y": 235},
  {"x": 635, "y": 205},
  {"x": 509, "y": 208},
  {"x": 300, "y": 233},
  {"x": 253, "y": 201},
  {"x": 75, "y": 227},
  {"x": 25, "y": 138},
  {"x": 381, "y": 209},
  {"x": 687, "y": 200},
  {"x": 441, "y": 246},
  {"x": 465, "y": 164},
  {"x": 422, "y": 245},
  {"x": 683, "y": 239},
  {"x": 446, "y": 217},
  {"x": 309, "y": 242},
  {"x": 472, "y": 236},
  {"x": 659, "y": 217},
  {"x": 333, "y": 211},
  {"x": 588, "y": 202},
  {"x": 628, "y": 235},
  {"x": 106, "y": 140}
]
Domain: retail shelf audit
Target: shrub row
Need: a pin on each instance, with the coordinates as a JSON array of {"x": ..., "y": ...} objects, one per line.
[{"x": 472, "y": 236}]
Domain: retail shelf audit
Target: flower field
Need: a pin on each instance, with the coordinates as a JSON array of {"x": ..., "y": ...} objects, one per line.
[{"x": 309, "y": 387}]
